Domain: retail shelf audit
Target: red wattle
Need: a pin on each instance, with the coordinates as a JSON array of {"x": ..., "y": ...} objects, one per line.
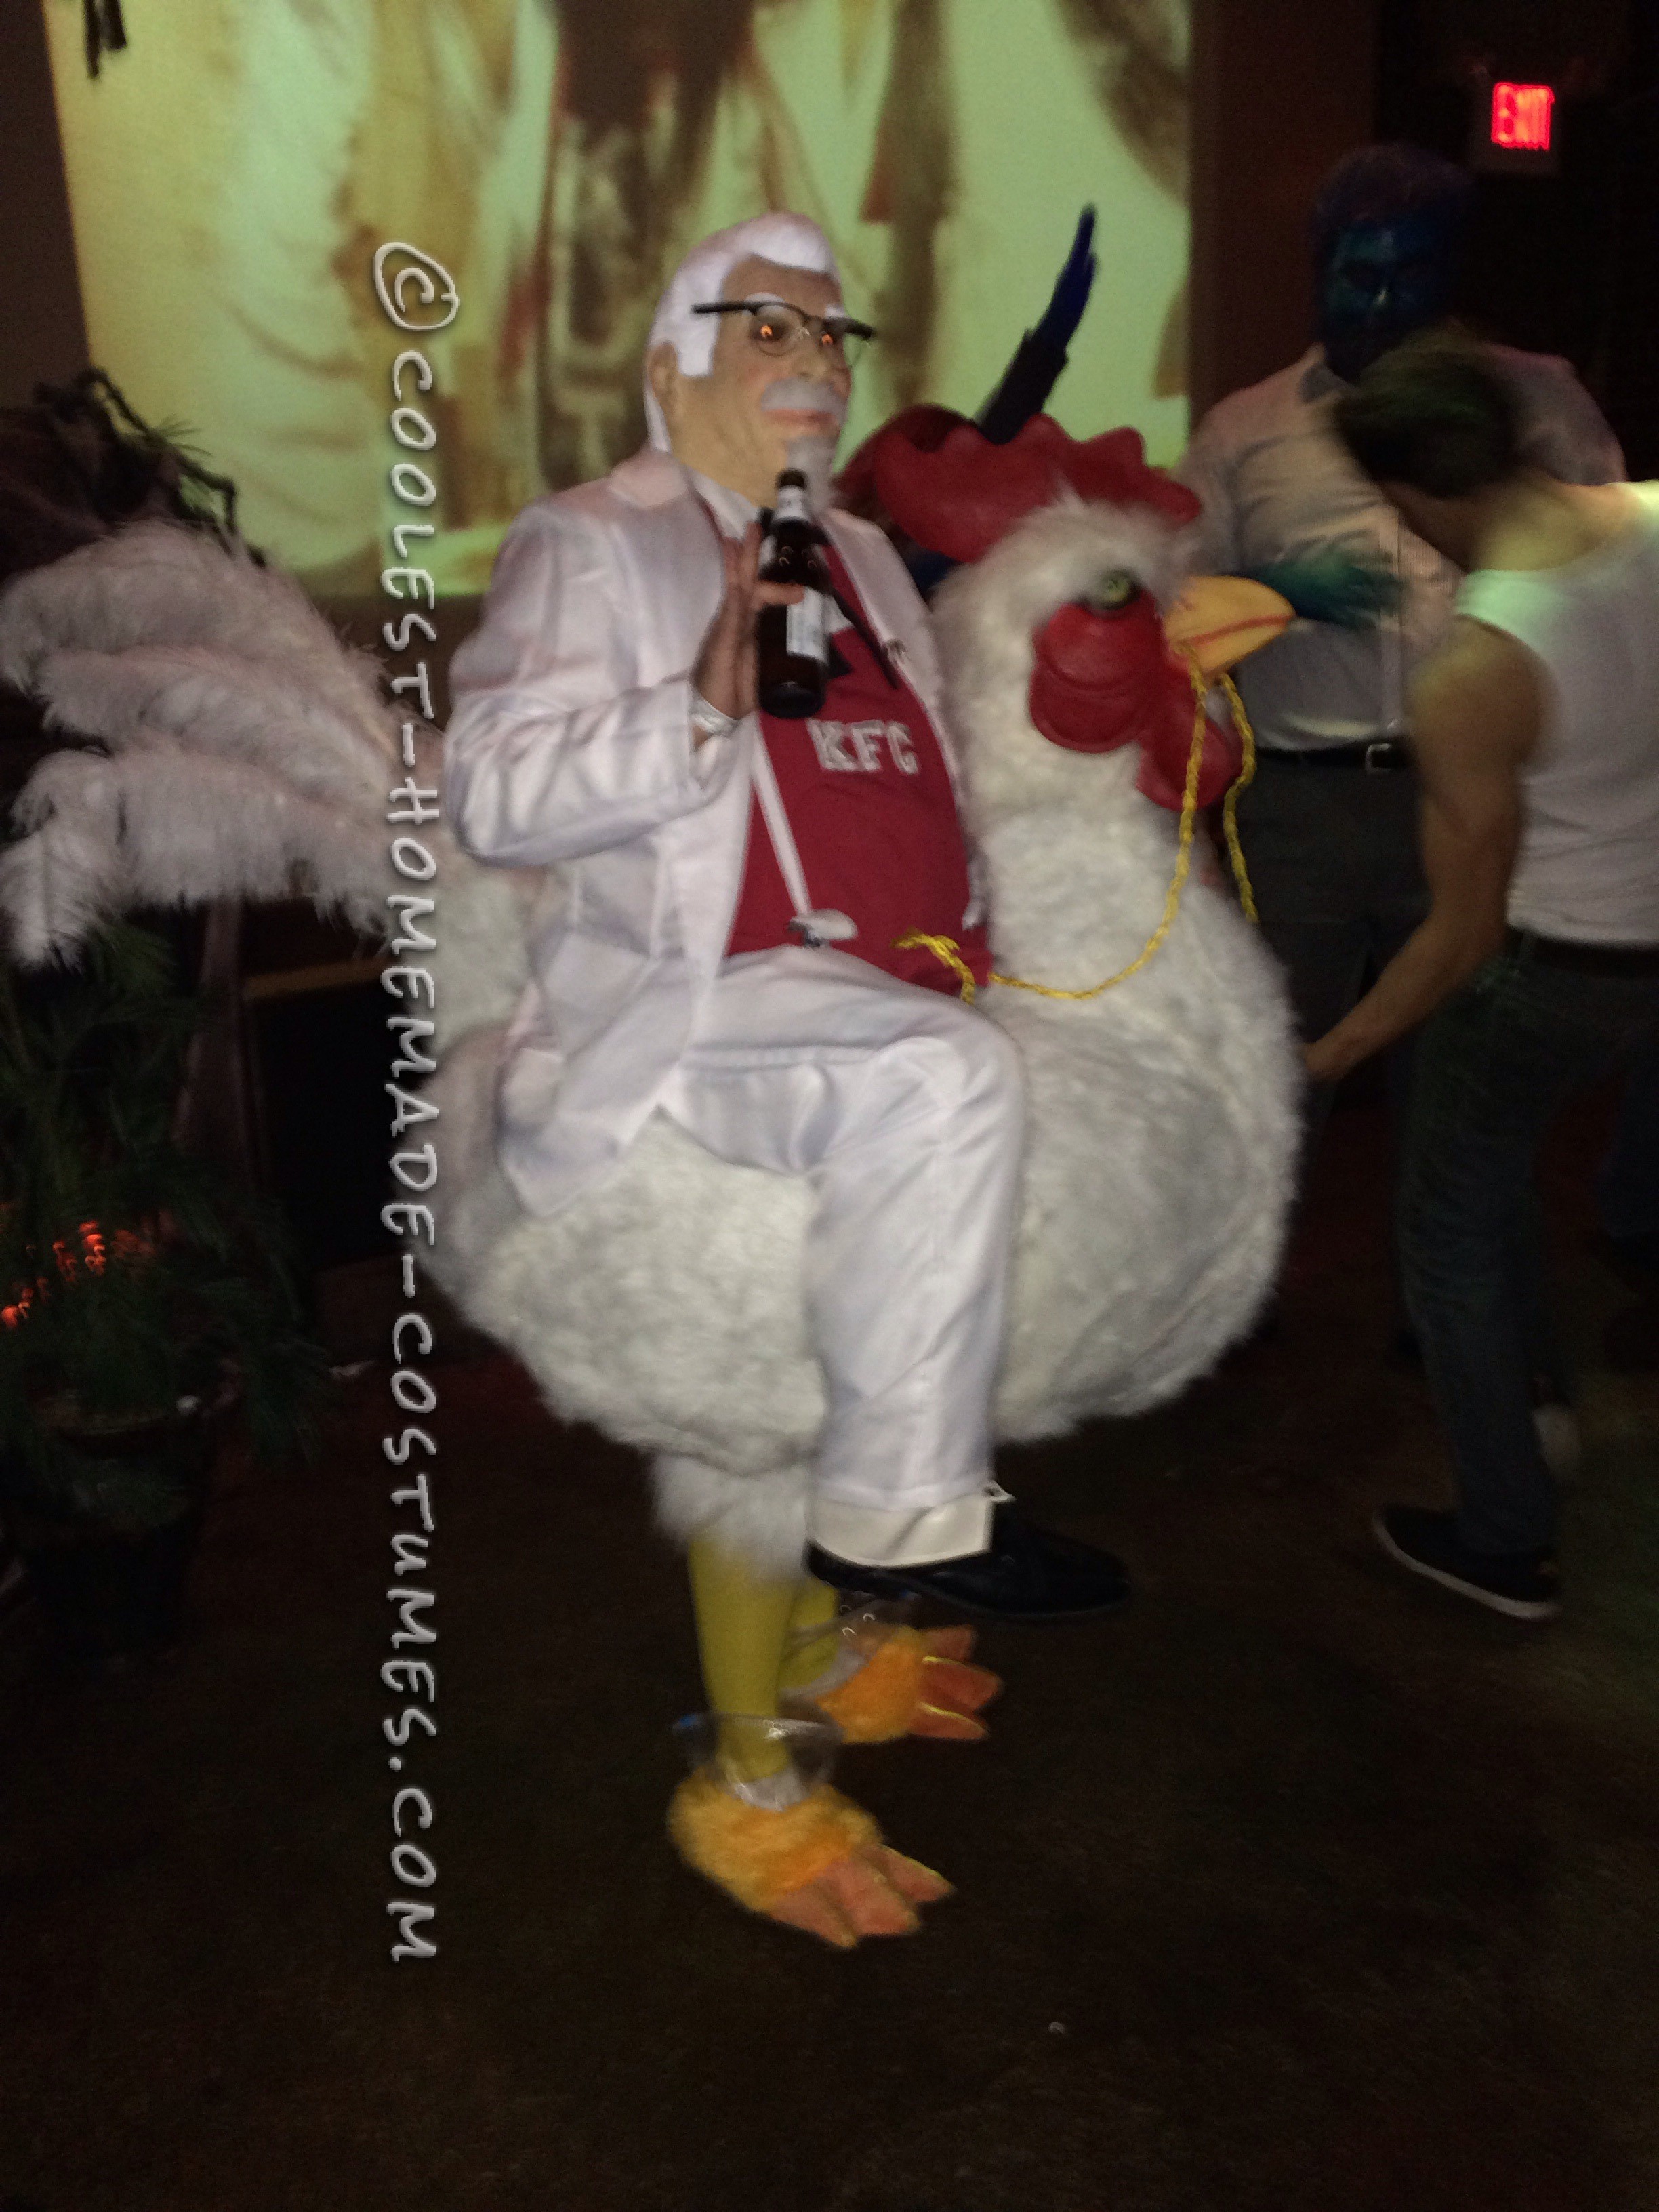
[
  {"x": 1163, "y": 777},
  {"x": 1104, "y": 679},
  {"x": 1099, "y": 679}
]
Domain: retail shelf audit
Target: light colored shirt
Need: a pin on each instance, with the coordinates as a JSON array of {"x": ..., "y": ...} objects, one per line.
[
  {"x": 1277, "y": 485},
  {"x": 1588, "y": 868},
  {"x": 730, "y": 509}
]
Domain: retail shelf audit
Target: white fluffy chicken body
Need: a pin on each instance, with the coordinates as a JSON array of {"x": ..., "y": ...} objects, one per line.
[{"x": 667, "y": 1304}]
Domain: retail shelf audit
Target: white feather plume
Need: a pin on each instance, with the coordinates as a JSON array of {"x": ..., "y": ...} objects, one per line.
[
  {"x": 206, "y": 699},
  {"x": 244, "y": 751},
  {"x": 59, "y": 883},
  {"x": 159, "y": 824},
  {"x": 160, "y": 583}
]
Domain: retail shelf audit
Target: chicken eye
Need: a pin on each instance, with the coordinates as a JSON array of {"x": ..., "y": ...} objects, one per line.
[{"x": 1114, "y": 591}]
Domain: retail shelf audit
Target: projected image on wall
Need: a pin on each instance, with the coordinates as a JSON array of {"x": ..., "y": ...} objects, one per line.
[{"x": 233, "y": 170}]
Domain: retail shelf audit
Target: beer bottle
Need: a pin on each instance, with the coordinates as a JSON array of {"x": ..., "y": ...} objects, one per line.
[{"x": 792, "y": 646}]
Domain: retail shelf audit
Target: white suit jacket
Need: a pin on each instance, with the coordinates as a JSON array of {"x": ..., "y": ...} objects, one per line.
[{"x": 571, "y": 744}]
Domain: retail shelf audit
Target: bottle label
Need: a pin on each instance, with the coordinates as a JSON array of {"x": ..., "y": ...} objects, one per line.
[
  {"x": 791, "y": 504},
  {"x": 804, "y": 627}
]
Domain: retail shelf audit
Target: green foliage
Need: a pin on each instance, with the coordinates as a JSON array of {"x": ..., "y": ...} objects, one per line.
[{"x": 133, "y": 1273}]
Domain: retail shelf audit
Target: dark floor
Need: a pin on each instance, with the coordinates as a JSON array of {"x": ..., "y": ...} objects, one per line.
[{"x": 1299, "y": 1886}]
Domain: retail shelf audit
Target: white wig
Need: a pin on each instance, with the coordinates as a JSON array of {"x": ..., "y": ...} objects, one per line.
[{"x": 791, "y": 240}]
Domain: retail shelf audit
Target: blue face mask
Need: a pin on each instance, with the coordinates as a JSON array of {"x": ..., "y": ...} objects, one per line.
[{"x": 1381, "y": 282}]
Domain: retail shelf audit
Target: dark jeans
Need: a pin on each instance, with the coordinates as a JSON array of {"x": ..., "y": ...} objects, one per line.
[
  {"x": 1334, "y": 861},
  {"x": 1333, "y": 858},
  {"x": 1493, "y": 1067},
  {"x": 1627, "y": 1188}
]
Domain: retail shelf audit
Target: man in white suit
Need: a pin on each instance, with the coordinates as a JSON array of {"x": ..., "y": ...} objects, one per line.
[{"x": 606, "y": 722}]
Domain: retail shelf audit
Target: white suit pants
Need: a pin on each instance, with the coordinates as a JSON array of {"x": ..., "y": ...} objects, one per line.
[{"x": 906, "y": 1110}]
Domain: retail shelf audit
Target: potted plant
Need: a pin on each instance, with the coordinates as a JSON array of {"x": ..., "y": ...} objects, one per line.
[{"x": 142, "y": 1291}]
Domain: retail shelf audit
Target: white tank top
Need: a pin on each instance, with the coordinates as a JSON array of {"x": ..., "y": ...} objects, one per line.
[{"x": 1588, "y": 863}]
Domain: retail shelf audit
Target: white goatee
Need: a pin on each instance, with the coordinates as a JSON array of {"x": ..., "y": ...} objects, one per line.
[{"x": 814, "y": 459}]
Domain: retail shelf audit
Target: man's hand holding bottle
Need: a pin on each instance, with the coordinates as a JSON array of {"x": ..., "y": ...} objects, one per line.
[
  {"x": 746, "y": 660},
  {"x": 724, "y": 671}
]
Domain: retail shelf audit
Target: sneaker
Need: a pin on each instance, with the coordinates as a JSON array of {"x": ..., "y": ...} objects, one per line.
[{"x": 1524, "y": 1585}]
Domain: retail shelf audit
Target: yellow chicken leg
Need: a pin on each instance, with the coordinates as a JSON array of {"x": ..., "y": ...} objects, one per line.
[{"x": 818, "y": 1863}]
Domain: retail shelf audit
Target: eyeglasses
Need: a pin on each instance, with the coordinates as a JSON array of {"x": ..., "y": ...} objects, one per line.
[{"x": 776, "y": 329}]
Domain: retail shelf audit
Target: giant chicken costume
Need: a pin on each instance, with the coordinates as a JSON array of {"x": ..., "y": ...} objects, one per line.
[
  {"x": 1162, "y": 1110},
  {"x": 245, "y": 750}
]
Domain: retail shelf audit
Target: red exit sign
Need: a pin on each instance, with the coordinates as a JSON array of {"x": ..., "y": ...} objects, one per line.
[{"x": 1521, "y": 118}]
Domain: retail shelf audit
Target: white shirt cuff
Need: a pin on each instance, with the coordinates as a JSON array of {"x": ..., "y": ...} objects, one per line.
[{"x": 710, "y": 724}]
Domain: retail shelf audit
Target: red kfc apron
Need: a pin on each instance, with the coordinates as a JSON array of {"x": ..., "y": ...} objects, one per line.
[{"x": 869, "y": 801}]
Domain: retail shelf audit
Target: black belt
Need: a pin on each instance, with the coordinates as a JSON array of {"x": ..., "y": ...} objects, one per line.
[
  {"x": 1584, "y": 959},
  {"x": 1376, "y": 755}
]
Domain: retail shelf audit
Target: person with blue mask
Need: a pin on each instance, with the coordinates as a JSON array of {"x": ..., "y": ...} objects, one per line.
[{"x": 1330, "y": 825}]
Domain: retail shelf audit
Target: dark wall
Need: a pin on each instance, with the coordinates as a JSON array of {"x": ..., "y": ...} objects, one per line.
[
  {"x": 41, "y": 332},
  {"x": 1628, "y": 368},
  {"x": 1562, "y": 263},
  {"x": 1280, "y": 90}
]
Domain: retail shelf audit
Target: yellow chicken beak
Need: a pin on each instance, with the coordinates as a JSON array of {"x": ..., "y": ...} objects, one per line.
[{"x": 1219, "y": 619}]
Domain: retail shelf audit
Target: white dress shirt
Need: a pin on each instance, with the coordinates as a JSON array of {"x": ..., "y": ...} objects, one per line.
[{"x": 1277, "y": 485}]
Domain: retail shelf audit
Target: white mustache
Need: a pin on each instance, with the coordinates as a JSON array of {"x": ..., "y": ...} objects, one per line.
[{"x": 806, "y": 394}]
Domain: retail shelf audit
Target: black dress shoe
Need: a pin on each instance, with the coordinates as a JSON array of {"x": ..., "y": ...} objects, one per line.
[{"x": 1027, "y": 1574}]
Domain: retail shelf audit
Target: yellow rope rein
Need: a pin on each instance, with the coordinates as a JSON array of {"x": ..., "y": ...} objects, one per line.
[
  {"x": 1241, "y": 782},
  {"x": 947, "y": 949}
]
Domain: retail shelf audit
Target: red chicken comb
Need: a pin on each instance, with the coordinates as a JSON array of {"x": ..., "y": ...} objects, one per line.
[
  {"x": 924, "y": 425},
  {"x": 960, "y": 499}
]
